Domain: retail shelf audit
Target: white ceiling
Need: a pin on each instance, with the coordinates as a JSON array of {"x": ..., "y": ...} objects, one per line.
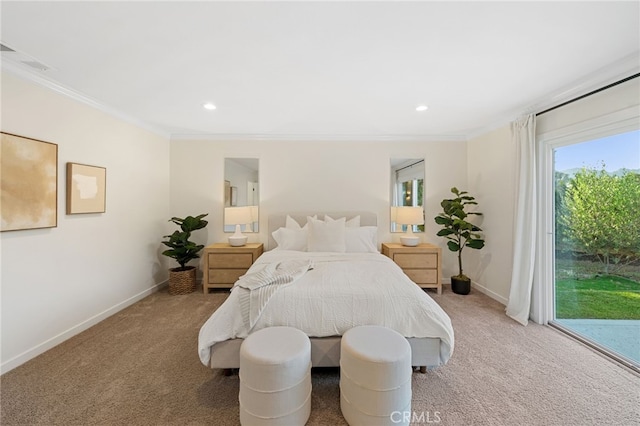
[{"x": 322, "y": 70}]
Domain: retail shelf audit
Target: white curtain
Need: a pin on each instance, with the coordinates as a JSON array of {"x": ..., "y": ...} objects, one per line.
[{"x": 523, "y": 133}]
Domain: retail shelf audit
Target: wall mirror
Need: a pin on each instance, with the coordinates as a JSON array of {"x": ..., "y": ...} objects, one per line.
[
  {"x": 241, "y": 190},
  {"x": 407, "y": 190}
]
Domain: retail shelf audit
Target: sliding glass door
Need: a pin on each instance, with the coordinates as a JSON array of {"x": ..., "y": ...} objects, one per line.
[{"x": 596, "y": 217}]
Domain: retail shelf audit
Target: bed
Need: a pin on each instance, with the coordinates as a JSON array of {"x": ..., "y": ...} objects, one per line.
[{"x": 330, "y": 289}]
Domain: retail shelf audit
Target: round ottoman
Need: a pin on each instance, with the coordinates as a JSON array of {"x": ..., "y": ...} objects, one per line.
[
  {"x": 375, "y": 376},
  {"x": 275, "y": 377}
]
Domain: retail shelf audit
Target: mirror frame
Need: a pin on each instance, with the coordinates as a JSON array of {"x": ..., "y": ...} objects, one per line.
[
  {"x": 398, "y": 164},
  {"x": 241, "y": 178}
]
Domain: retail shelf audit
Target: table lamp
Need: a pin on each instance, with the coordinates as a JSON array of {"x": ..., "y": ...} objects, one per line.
[
  {"x": 237, "y": 216},
  {"x": 410, "y": 216}
]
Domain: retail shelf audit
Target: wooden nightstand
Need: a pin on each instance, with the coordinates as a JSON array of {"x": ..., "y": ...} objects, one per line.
[
  {"x": 421, "y": 263},
  {"x": 224, "y": 264}
]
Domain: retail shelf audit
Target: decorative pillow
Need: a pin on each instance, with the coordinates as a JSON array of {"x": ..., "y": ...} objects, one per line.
[
  {"x": 362, "y": 240},
  {"x": 290, "y": 239},
  {"x": 291, "y": 223},
  {"x": 326, "y": 236},
  {"x": 354, "y": 222}
]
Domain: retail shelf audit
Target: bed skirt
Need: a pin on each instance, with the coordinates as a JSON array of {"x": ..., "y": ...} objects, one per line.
[{"x": 325, "y": 352}]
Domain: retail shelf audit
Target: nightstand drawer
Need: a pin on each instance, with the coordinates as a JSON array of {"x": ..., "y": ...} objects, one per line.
[
  {"x": 422, "y": 276},
  {"x": 225, "y": 276},
  {"x": 416, "y": 260},
  {"x": 235, "y": 260},
  {"x": 224, "y": 264},
  {"x": 420, "y": 263}
]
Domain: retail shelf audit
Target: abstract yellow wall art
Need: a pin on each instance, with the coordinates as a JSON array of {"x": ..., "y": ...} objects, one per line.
[{"x": 29, "y": 183}]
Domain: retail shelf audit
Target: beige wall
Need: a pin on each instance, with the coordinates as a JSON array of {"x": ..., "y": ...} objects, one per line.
[
  {"x": 304, "y": 175},
  {"x": 491, "y": 173},
  {"x": 57, "y": 282}
]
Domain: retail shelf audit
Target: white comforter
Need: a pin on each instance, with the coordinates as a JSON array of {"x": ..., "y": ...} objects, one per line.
[{"x": 342, "y": 291}]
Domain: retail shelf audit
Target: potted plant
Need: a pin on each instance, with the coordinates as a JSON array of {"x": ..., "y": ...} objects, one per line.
[
  {"x": 182, "y": 279},
  {"x": 460, "y": 233}
]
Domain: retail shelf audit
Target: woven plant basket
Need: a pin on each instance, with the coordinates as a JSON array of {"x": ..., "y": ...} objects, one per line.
[{"x": 182, "y": 282}]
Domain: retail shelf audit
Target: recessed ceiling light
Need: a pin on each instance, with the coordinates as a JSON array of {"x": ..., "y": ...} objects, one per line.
[
  {"x": 422, "y": 108},
  {"x": 209, "y": 106}
]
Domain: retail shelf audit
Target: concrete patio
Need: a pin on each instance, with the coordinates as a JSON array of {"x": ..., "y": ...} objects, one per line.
[{"x": 621, "y": 336}]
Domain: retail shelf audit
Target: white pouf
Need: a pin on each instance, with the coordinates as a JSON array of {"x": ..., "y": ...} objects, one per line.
[
  {"x": 375, "y": 376},
  {"x": 275, "y": 377}
]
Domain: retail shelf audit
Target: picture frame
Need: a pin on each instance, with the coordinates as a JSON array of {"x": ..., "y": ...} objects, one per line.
[
  {"x": 28, "y": 184},
  {"x": 86, "y": 189}
]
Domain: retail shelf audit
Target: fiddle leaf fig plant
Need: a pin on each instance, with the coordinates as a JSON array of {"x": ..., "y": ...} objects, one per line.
[
  {"x": 180, "y": 247},
  {"x": 455, "y": 227}
]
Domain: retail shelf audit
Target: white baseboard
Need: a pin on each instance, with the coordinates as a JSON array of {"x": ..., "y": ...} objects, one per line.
[
  {"x": 56, "y": 340},
  {"x": 491, "y": 294},
  {"x": 481, "y": 289}
]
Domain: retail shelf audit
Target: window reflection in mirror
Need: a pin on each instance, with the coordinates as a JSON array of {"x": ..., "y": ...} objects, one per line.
[
  {"x": 407, "y": 188},
  {"x": 241, "y": 189}
]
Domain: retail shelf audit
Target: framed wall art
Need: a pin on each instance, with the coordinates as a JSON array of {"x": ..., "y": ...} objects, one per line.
[
  {"x": 86, "y": 188},
  {"x": 29, "y": 183}
]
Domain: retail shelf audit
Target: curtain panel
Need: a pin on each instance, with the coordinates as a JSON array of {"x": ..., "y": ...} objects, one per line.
[{"x": 523, "y": 133}]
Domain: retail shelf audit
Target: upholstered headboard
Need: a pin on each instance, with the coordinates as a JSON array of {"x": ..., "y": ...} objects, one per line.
[{"x": 278, "y": 220}]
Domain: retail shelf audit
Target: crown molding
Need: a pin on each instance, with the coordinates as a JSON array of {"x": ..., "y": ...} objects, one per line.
[
  {"x": 40, "y": 80},
  {"x": 216, "y": 137},
  {"x": 625, "y": 67}
]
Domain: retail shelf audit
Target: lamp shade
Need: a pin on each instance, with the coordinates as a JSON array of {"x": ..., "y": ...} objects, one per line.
[
  {"x": 237, "y": 215},
  {"x": 409, "y": 216}
]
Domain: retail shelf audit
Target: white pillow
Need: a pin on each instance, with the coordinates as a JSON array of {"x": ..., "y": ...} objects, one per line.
[
  {"x": 362, "y": 240},
  {"x": 291, "y": 223},
  {"x": 354, "y": 222},
  {"x": 290, "y": 239},
  {"x": 326, "y": 236}
]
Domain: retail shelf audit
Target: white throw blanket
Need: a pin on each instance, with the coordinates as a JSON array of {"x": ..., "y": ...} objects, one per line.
[{"x": 256, "y": 288}]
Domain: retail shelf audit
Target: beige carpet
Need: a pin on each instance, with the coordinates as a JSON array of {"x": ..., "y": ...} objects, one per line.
[{"x": 140, "y": 367}]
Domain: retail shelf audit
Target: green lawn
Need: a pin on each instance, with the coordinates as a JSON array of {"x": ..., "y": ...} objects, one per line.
[{"x": 600, "y": 297}]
